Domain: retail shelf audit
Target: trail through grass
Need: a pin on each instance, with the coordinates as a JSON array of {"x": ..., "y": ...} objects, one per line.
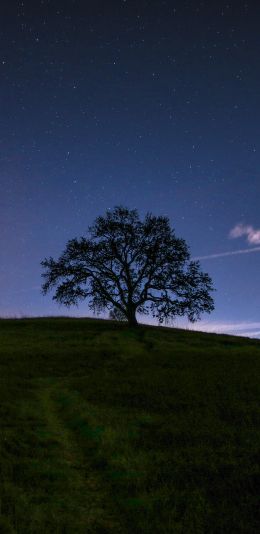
[
  {"x": 52, "y": 485},
  {"x": 106, "y": 429}
]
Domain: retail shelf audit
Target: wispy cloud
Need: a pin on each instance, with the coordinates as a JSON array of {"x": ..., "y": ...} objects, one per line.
[
  {"x": 226, "y": 326},
  {"x": 244, "y": 328},
  {"x": 252, "y": 234},
  {"x": 231, "y": 253}
]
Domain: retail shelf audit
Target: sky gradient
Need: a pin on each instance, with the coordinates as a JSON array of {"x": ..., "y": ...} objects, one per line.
[{"x": 151, "y": 105}]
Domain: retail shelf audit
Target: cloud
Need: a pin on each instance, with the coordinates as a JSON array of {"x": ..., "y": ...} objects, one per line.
[
  {"x": 253, "y": 235},
  {"x": 244, "y": 328},
  {"x": 226, "y": 326},
  {"x": 234, "y": 328},
  {"x": 231, "y": 253}
]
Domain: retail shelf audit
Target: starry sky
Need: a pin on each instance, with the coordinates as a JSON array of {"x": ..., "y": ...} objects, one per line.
[{"x": 153, "y": 105}]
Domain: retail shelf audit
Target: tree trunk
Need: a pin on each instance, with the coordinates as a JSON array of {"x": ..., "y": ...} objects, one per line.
[{"x": 132, "y": 321}]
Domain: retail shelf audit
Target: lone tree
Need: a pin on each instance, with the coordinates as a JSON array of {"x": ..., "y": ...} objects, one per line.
[{"x": 131, "y": 266}]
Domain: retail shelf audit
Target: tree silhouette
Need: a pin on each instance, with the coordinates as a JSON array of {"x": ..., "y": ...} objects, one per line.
[
  {"x": 132, "y": 266},
  {"x": 117, "y": 315}
]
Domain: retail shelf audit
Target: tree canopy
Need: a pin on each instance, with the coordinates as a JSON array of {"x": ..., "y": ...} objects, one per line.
[{"x": 131, "y": 266}]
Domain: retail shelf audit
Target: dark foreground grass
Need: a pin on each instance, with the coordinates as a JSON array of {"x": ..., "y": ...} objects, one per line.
[{"x": 106, "y": 429}]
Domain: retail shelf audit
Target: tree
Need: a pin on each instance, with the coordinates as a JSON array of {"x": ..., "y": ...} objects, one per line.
[
  {"x": 117, "y": 315},
  {"x": 132, "y": 266}
]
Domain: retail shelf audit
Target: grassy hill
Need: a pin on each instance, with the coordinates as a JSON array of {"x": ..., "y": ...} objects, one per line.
[{"x": 111, "y": 430}]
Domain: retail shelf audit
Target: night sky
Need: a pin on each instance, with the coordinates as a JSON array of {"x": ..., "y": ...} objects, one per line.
[{"x": 151, "y": 105}]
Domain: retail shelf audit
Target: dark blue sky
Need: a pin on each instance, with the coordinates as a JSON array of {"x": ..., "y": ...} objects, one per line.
[{"x": 153, "y": 105}]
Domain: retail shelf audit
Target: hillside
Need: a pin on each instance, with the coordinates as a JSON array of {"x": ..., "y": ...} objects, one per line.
[{"x": 106, "y": 429}]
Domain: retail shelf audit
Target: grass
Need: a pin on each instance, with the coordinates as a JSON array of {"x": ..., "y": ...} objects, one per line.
[{"x": 105, "y": 429}]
